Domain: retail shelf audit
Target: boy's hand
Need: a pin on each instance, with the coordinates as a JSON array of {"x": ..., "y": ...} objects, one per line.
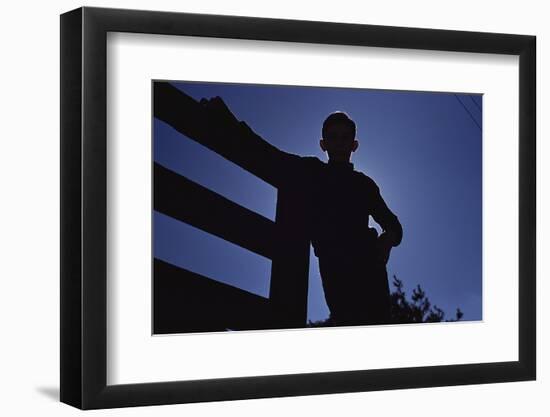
[
  {"x": 226, "y": 120},
  {"x": 217, "y": 107}
]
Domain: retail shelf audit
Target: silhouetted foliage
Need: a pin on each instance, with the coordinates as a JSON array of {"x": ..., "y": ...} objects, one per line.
[{"x": 417, "y": 309}]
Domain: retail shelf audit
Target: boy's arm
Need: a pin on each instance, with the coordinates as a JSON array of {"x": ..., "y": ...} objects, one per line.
[
  {"x": 392, "y": 229},
  {"x": 211, "y": 123},
  {"x": 388, "y": 221}
]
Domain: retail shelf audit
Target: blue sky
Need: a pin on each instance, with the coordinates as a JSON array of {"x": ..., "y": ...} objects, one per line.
[{"x": 423, "y": 150}]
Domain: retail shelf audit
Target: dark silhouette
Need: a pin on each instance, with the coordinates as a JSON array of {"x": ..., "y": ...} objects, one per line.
[
  {"x": 327, "y": 204},
  {"x": 352, "y": 257}
]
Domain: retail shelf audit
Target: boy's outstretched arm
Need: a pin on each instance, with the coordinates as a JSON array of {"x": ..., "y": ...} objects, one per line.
[{"x": 211, "y": 123}]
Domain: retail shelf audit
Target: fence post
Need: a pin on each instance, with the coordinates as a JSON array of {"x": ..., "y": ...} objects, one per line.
[{"x": 290, "y": 265}]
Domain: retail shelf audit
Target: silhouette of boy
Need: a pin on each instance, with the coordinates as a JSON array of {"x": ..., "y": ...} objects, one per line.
[{"x": 352, "y": 257}]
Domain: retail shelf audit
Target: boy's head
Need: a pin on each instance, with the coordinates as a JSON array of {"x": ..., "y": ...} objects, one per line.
[{"x": 339, "y": 137}]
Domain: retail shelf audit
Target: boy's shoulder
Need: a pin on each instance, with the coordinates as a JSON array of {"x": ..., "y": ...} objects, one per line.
[
  {"x": 366, "y": 180},
  {"x": 311, "y": 164}
]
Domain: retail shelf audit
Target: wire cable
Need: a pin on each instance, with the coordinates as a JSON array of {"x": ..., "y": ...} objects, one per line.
[
  {"x": 468, "y": 111},
  {"x": 475, "y": 102}
]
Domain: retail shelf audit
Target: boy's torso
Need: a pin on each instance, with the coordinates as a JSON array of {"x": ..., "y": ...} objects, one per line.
[{"x": 338, "y": 204}]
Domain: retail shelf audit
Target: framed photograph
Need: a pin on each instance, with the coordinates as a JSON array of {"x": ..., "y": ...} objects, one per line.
[{"x": 257, "y": 207}]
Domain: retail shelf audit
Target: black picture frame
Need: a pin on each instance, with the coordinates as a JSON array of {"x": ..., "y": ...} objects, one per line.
[{"x": 84, "y": 207}]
